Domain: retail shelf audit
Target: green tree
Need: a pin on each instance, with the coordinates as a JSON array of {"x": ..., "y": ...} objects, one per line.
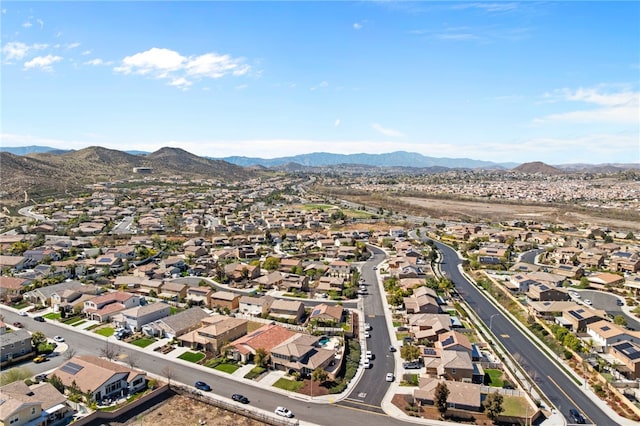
[
  {"x": 409, "y": 352},
  {"x": 493, "y": 406},
  {"x": 56, "y": 383},
  {"x": 261, "y": 358},
  {"x": 271, "y": 263},
  {"x": 620, "y": 320},
  {"x": 37, "y": 338},
  {"x": 14, "y": 374},
  {"x": 440, "y": 397},
  {"x": 319, "y": 375}
]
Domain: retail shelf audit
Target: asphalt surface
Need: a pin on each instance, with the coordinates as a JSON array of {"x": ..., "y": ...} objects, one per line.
[
  {"x": 561, "y": 391},
  {"x": 607, "y": 302}
]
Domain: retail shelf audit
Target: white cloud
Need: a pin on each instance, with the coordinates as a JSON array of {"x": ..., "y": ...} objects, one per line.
[
  {"x": 180, "y": 82},
  {"x": 72, "y": 45},
  {"x": 40, "y": 22},
  {"x": 42, "y": 62},
  {"x": 320, "y": 85},
  {"x": 386, "y": 131},
  {"x": 456, "y": 36},
  {"x": 610, "y": 107},
  {"x": 163, "y": 63},
  {"x": 357, "y": 26},
  {"x": 27, "y": 24},
  {"x": 86, "y": 52},
  {"x": 336, "y": 123},
  {"x": 18, "y": 50},
  {"x": 97, "y": 62},
  {"x": 488, "y": 7}
]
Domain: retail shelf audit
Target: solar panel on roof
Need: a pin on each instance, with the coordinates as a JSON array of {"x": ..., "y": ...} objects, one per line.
[
  {"x": 575, "y": 315},
  {"x": 315, "y": 312},
  {"x": 71, "y": 368},
  {"x": 606, "y": 328}
]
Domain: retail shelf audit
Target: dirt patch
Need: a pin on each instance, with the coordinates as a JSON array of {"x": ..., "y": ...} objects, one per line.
[
  {"x": 179, "y": 410},
  {"x": 404, "y": 402}
]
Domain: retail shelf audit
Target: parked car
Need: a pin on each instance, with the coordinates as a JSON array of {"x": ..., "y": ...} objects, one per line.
[
  {"x": 411, "y": 365},
  {"x": 58, "y": 338},
  {"x": 18, "y": 324},
  {"x": 23, "y": 314},
  {"x": 202, "y": 386},
  {"x": 389, "y": 377},
  {"x": 369, "y": 355},
  {"x": 240, "y": 398},
  {"x": 284, "y": 412},
  {"x": 576, "y": 416},
  {"x": 587, "y": 302},
  {"x": 366, "y": 364},
  {"x": 39, "y": 359},
  {"x": 367, "y": 326},
  {"x": 367, "y": 334},
  {"x": 392, "y": 348},
  {"x": 39, "y": 319},
  {"x": 619, "y": 302}
]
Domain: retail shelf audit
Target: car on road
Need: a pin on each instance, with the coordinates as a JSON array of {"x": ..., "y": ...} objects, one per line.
[
  {"x": 392, "y": 348},
  {"x": 576, "y": 416},
  {"x": 367, "y": 326},
  {"x": 619, "y": 302},
  {"x": 202, "y": 386},
  {"x": 39, "y": 319},
  {"x": 284, "y": 412},
  {"x": 588, "y": 302},
  {"x": 366, "y": 364},
  {"x": 389, "y": 377},
  {"x": 39, "y": 359},
  {"x": 18, "y": 324},
  {"x": 375, "y": 267},
  {"x": 58, "y": 338},
  {"x": 23, "y": 314},
  {"x": 369, "y": 355},
  {"x": 240, "y": 398},
  {"x": 574, "y": 294},
  {"x": 367, "y": 334}
]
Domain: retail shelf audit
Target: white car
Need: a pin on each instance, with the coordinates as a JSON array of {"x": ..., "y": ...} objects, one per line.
[
  {"x": 366, "y": 364},
  {"x": 389, "y": 377},
  {"x": 367, "y": 326},
  {"x": 23, "y": 314},
  {"x": 366, "y": 334},
  {"x": 369, "y": 355},
  {"x": 587, "y": 302},
  {"x": 58, "y": 338},
  {"x": 284, "y": 412}
]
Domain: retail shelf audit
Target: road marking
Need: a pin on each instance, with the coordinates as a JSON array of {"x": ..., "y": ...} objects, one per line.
[
  {"x": 355, "y": 401},
  {"x": 360, "y": 409},
  {"x": 504, "y": 336},
  {"x": 568, "y": 397}
]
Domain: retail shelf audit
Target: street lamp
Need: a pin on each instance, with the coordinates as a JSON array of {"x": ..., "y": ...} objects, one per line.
[{"x": 491, "y": 321}]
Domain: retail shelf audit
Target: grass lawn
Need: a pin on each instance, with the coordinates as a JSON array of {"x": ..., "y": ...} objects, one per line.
[
  {"x": 227, "y": 368},
  {"x": 175, "y": 310},
  {"x": 52, "y": 315},
  {"x": 397, "y": 323},
  {"x": 253, "y": 326},
  {"x": 77, "y": 323},
  {"x": 317, "y": 206},
  {"x": 515, "y": 406},
  {"x": 106, "y": 331},
  {"x": 192, "y": 356},
  {"x": 71, "y": 320},
  {"x": 495, "y": 377},
  {"x": 401, "y": 336},
  {"x": 143, "y": 342},
  {"x": 91, "y": 327},
  {"x": 290, "y": 385}
]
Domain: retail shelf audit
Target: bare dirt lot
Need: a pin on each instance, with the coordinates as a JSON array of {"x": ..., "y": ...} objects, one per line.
[
  {"x": 471, "y": 210},
  {"x": 179, "y": 410}
]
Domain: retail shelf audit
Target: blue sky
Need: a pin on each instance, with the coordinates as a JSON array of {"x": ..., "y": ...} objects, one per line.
[{"x": 557, "y": 82}]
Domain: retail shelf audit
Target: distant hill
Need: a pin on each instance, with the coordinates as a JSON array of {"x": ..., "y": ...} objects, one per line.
[
  {"x": 47, "y": 173},
  {"x": 537, "y": 167},
  {"x": 24, "y": 150},
  {"x": 392, "y": 159}
]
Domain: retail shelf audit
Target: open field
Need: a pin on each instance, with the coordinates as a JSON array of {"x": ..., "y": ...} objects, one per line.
[
  {"x": 179, "y": 410},
  {"x": 476, "y": 210}
]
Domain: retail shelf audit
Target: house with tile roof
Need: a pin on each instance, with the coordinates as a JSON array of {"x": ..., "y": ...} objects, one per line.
[
  {"x": 216, "y": 331},
  {"x": 177, "y": 324},
  {"x": 266, "y": 338},
  {"x": 100, "y": 378},
  {"x": 102, "y": 308},
  {"x": 37, "y": 404},
  {"x": 301, "y": 353}
]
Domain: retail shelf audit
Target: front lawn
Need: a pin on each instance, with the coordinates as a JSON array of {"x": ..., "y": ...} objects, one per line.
[
  {"x": 192, "y": 356},
  {"x": 72, "y": 320},
  {"x": 290, "y": 385},
  {"x": 255, "y": 372},
  {"x": 52, "y": 315},
  {"x": 227, "y": 368},
  {"x": 515, "y": 406},
  {"x": 143, "y": 342},
  {"x": 105, "y": 331}
]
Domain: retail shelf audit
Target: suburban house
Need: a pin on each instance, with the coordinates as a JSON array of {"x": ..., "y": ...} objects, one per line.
[
  {"x": 340, "y": 267},
  {"x": 605, "y": 279},
  {"x": 428, "y": 326},
  {"x": 290, "y": 310},
  {"x": 100, "y": 378},
  {"x": 542, "y": 292},
  {"x": 549, "y": 309},
  {"x": 173, "y": 290},
  {"x": 150, "y": 287},
  {"x": 292, "y": 282},
  {"x": 10, "y": 287},
  {"x": 14, "y": 263},
  {"x": 453, "y": 341},
  {"x": 225, "y": 300},
  {"x": 423, "y": 303},
  {"x": 61, "y": 293},
  {"x": 452, "y": 365},
  {"x": 463, "y": 396},
  {"x": 216, "y": 331},
  {"x": 577, "y": 319},
  {"x": 327, "y": 284},
  {"x": 38, "y": 404},
  {"x": 199, "y": 295},
  {"x": 301, "y": 353},
  {"x": 176, "y": 325},
  {"x": 271, "y": 280},
  {"x": 266, "y": 338},
  {"x": 102, "y": 308},
  {"x": 136, "y": 317},
  {"x": 605, "y": 334},
  {"x": 628, "y": 354},
  {"x": 326, "y": 315},
  {"x": 256, "y": 306},
  {"x": 15, "y": 345}
]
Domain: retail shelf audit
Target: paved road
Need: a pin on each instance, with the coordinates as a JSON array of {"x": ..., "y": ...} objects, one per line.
[
  {"x": 607, "y": 302},
  {"x": 186, "y": 373},
  {"x": 563, "y": 393}
]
